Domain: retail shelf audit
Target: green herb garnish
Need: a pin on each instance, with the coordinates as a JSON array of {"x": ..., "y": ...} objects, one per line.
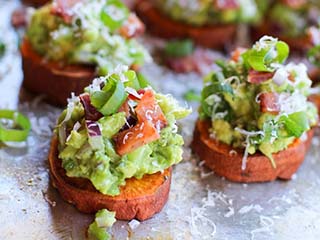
[{"x": 179, "y": 48}]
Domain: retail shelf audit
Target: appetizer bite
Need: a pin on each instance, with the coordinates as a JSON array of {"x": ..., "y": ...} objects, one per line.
[
  {"x": 209, "y": 23},
  {"x": 68, "y": 43},
  {"x": 114, "y": 146},
  {"x": 289, "y": 20},
  {"x": 255, "y": 119}
]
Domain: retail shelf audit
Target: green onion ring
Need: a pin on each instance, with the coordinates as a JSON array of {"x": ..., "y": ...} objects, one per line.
[
  {"x": 115, "y": 101},
  {"x": 14, "y": 135}
]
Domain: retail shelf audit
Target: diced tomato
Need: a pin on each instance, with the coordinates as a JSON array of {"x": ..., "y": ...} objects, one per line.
[
  {"x": 149, "y": 110},
  {"x": 226, "y": 4},
  {"x": 91, "y": 113},
  {"x": 135, "y": 137},
  {"x": 259, "y": 77},
  {"x": 236, "y": 54},
  {"x": 269, "y": 103},
  {"x": 294, "y": 3},
  {"x": 132, "y": 27},
  {"x": 150, "y": 121},
  {"x": 62, "y": 8},
  {"x": 125, "y": 108}
]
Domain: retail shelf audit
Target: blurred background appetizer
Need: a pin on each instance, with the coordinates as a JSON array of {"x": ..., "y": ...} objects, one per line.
[
  {"x": 68, "y": 43},
  {"x": 255, "y": 118},
  {"x": 210, "y": 23},
  {"x": 290, "y": 21}
]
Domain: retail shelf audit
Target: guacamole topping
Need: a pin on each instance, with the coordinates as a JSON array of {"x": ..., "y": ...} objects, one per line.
[
  {"x": 117, "y": 129},
  {"x": 95, "y": 32},
  {"x": 98, "y": 229},
  {"x": 292, "y": 20},
  {"x": 258, "y": 103},
  {"x": 202, "y": 12}
]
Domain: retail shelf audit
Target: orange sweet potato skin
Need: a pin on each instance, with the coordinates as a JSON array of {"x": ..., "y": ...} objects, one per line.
[
  {"x": 139, "y": 199},
  {"x": 221, "y": 160},
  {"x": 51, "y": 79},
  {"x": 212, "y": 36}
]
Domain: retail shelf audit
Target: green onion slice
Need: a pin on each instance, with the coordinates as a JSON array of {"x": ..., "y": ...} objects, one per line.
[
  {"x": 14, "y": 135},
  {"x": 180, "y": 48},
  {"x": 116, "y": 99}
]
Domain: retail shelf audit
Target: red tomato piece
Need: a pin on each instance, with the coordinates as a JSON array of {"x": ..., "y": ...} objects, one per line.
[
  {"x": 149, "y": 110},
  {"x": 269, "y": 103},
  {"x": 135, "y": 137},
  {"x": 133, "y": 27},
  {"x": 236, "y": 54},
  {"x": 259, "y": 77}
]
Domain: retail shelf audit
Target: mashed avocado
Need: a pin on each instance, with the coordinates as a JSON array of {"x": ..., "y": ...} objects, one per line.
[
  {"x": 96, "y": 148},
  {"x": 201, "y": 12},
  {"x": 258, "y": 103},
  {"x": 91, "y": 36}
]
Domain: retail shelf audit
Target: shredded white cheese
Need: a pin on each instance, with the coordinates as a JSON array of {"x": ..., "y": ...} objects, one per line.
[{"x": 133, "y": 224}]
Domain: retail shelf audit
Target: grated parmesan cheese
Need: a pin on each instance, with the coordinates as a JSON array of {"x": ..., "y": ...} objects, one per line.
[{"x": 133, "y": 224}]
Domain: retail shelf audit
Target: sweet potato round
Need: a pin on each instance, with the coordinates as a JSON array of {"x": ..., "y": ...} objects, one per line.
[
  {"x": 212, "y": 36},
  {"x": 222, "y": 160},
  {"x": 139, "y": 198},
  {"x": 53, "y": 79}
]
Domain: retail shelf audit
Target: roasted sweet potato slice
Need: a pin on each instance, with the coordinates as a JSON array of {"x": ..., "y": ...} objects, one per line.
[
  {"x": 212, "y": 36},
  {"x": 139, "y": 199},
  {"x": 226, "y": 162},
  {"x": 52, "y": 79}
]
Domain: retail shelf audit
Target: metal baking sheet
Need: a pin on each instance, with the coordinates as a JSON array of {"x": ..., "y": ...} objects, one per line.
[{"x": 201, "y": 204}]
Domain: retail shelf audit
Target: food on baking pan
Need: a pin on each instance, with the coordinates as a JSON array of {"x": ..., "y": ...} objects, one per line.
[
  {"x": 114, "y": 147},
  {"x": 290, "y": 21},
  {"x": 68, "y": 43},
  {"x": 255, "y": 120},
  {"x": 103, "y": 220},
  {"x": 209, "y": 23}
]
